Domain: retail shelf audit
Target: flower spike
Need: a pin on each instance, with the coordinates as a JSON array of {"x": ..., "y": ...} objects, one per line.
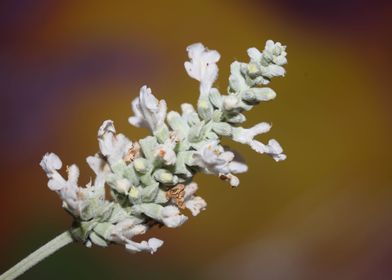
[{"x": 150, "y": 181}]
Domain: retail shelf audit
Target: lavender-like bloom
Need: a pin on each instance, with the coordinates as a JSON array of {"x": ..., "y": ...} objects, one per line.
[{"x": 151, "y": 180}]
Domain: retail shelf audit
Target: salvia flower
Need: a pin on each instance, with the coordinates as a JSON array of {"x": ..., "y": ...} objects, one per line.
[
  {"x": 202, "y": 66},
  {"x": 149, "y": 112},
  {"x": 150, "y": 181}
]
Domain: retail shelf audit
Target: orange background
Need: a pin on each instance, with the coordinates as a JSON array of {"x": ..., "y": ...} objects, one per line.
[{"x": 324, "y": 213}]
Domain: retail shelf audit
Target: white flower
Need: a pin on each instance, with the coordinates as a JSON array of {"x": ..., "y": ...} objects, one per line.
[
  {"x": 151, "y": 180},
  {"x": 151, "y": 245},
  {"x": 189, "y": 114},
  {"x": 232, "y": 179},
  {"x": 212, "y": 158},
  {"x": 230, "y": 102},
  {"x": 273, "y": 70},
  {"x": 202, "y": 66},
  {"x": 124, "y": 231},
  {"x": 275, "y": 52},
  {"x": 195, "y": 204},
  {"x": 75, "y": 199},
  {"x": 254, "y": 54},
  {"x": 127, "y": 229},
  {"x": 246, "y": 135},
  {"x": 149, "y": 112},
  {"x": 269, "y": 62},
  {"x": 171, "y": 216},
  {"x": 273, "y": 149},
  {"x": 98, "y": 164},
  {"x": 164, "y": 152},
  {"x": 50, "y": 163},
  {"x": 165, "y": 177},
  {"x": 113, "y": 147}
]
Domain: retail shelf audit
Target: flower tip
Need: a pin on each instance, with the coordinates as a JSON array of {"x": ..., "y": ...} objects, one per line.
[
  {"x": 145, "y": 90},
  {"x": 194, "y": 48},
  {"x": 154, "y": 244},
  {"x": 254, "y": 54},
  {"x": 50, "y": 162},
  {"x": 107, "y": 126},
  {"x": 270, "y": 94}
]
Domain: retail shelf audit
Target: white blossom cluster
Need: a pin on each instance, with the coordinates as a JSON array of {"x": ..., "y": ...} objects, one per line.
[{"x": 150, "y": 180}]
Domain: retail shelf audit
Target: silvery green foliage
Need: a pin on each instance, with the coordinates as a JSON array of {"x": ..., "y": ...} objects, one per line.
[{"x": 151, "y": 180}]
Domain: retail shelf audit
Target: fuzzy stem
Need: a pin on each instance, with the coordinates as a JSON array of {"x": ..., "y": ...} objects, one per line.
[{"x": 31, "y": 260}]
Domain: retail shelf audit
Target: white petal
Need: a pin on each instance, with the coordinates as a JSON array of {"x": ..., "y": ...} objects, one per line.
[
  {"x": 136, "y": 121},
  {"x": 273, "y": 70},
  {"x": 195, "y": 49},
  {"x": 73, "y": 174},
  {"x": 269, "y": 45},
  {"x": 136, "y": 107},
  {"x": 190, "y": 190},
  {"x": 257, "y": 146},
  {"x": 171, "y": 217},
  {"x": 96, "y": 163},
  {"x": 234, "y": 181},
  {"x": 202, "y": 66},
  {"x": 149, "y": 112},
  {"x": 106, "y": 127},
  {"x": 148, "y": 100},
  {"x": 237, "y": 167},
  {"x": 56, "y": 185},
  {"x": 154, "y": 244},
  {"x": 279, "y": 157},
  {"x": 151, "y": 246},
  {"x": 260, "y": 128},
  {"x": 227, "y": 156},
  {"x": 254, "y": 54},
  {"x": 137, "y": 230},
  {"x": 195, "y": 205},
  {"x": 50, "y": 162},
  {"x": 275, "y": 146}
]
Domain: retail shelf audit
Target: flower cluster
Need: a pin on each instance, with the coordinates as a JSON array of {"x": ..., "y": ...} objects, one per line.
[{"x": 151, "y": 180}]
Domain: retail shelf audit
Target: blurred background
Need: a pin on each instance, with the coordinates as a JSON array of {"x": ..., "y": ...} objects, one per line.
[{"x": 324, "y": 213}]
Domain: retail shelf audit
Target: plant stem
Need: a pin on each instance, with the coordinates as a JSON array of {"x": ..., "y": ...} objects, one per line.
[{"x": 37, "y": 256}]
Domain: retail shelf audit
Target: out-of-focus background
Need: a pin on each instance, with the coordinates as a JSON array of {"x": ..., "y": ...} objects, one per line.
[{"x": 324, "y": 213}]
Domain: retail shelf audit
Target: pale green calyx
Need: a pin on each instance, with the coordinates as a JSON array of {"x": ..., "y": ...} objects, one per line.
[{"x": 151, "y": 180}]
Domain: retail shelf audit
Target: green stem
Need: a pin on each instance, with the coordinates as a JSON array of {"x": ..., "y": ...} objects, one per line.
[{"x": 37, "y": 256}]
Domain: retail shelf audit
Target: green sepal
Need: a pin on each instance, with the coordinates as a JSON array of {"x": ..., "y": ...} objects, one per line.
[
  {"x": 182, "y": 159},
  {"x": 147, "y": 179},
  {"x": 162, "y": 133},
  {"x": 103, "y": 229},
  {"x": 98, "y": 240},
  {"x": 151, "y": 210},
  {"x": 178, "y": 124},
  {"x": 161, "y": 197},
  {"x": 205, "y": 109},
  {"x": 149, "y": 193},
  {"x": 148, "y": 146},
  {"x": 222, "y": 128},
  {"x": 215, "y": 98}
]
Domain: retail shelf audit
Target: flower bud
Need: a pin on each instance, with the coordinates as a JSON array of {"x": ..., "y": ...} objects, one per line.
[
  {"x": 204, "y": 109},
  {"x": 222, "y": 128},
  {"x": 253, "y": 69},
  {"x": 215, "y": 98},
  {"x": 141, "y": 165},
  {"x": 230, "y": 102},
  {"x": 123, "y": 185},
  {"x": 165, "y": 177}
]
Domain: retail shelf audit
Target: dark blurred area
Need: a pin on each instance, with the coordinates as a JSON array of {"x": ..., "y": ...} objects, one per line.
[{"x": 324, "y": 213}]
